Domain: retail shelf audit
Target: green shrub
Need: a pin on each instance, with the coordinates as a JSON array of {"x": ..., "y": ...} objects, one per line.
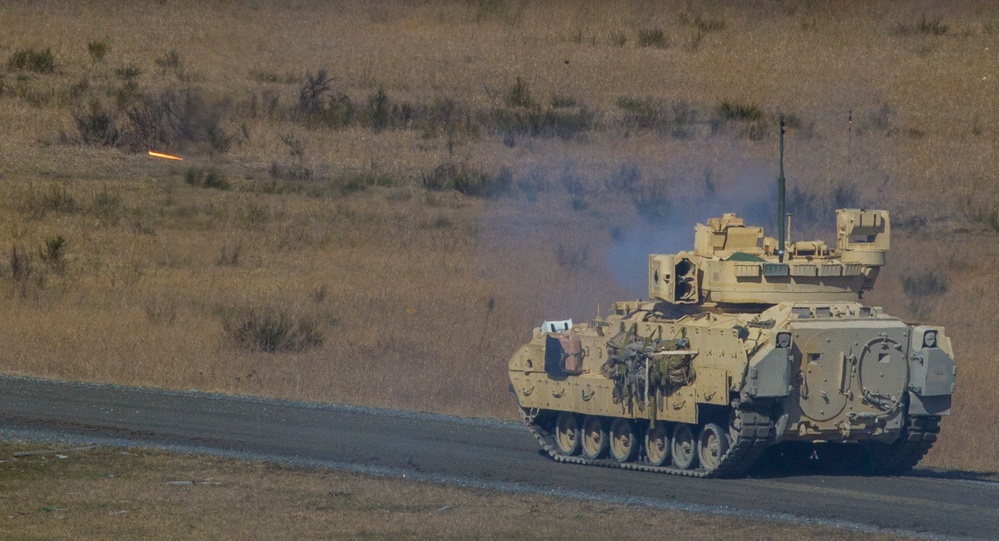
[{"x": 33, "y": 60}]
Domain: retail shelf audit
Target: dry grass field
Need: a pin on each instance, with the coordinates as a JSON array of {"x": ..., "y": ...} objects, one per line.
[
  {"x": 379, "y": 200},
  {"x": 113, "y": 494}
]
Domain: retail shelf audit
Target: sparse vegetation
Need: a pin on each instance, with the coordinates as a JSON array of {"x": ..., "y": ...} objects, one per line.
[
  {"x": 206, "y": 178},
  {"x": 924, "y": 284},
  {"x": 749, "y": 119},
  {"x": 272, "y": 330},
  {"x": 97, "y": 50},
  {"x": 980, "y": 215},
  {"x": 128, "y": 71},
  {"x": 652, "y": 37},
  {"x": 415, "y": 185},
  {"x": 53, "y": 254},
  {"x": 928, "y": 26},
  {"x": 34, "y": 60},
  {"x": 922, "y": 287},
  {"x": 128, "y": 494},
  {"x": 467, "y": 180},
  {"x": 655, "y": 115}
]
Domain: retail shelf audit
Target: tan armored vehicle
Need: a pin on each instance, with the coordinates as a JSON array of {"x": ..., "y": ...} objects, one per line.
[{"x": 744, "y": 345}]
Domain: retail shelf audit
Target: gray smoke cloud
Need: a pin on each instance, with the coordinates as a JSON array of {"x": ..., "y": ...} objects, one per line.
[{"x": 752, "y": 194}]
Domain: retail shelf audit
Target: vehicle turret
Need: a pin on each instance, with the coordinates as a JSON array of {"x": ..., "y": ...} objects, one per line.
[{"x": 733, "y": 264}]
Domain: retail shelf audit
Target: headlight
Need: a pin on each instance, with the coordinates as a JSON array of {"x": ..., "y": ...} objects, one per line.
[
  {"x": 930, "y": 339},
  {"x": 783, "y": 339}
]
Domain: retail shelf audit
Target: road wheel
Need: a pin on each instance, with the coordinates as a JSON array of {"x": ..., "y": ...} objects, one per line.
[
  {"x": 567, "y": 433},
  {"x": 657, "y": 444},
  {"x": 623, "y": 444},
  {"x": 594, "y": 437},
  {"x": 684, "y": 448},
  {"x": 712, "y": 446}
]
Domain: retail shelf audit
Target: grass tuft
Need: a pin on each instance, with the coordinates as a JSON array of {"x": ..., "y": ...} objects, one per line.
[
  {"x": 319, "y": 105},
  {"x": 926, "y": 26},
  {"x": 208, "y": 177},
  {"x": 979, "y": 215},
  {"x": 519, "y": 94},
  {"x": 678, "y": 119},
  {"x": 108, "y": 207},
  {"x": 272, "y": 330},
  {"x": 467, "y": 180},
  {"x": 53, "y": 253},
  {"x": 33, "y": 60},
  {"x": 749, "y": 119},
  {"x": 652, "y": 37},
  {"x": 97, "y": 50},
  {"x": 924, "y": 284}
]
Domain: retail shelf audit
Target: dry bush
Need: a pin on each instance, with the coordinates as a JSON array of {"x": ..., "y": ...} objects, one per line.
[
  {"x": 271, "y": 330},
  {"x": 34, "y": 60}
]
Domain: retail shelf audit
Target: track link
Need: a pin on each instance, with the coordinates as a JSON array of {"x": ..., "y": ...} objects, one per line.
[
  {"x": 904, "y": 453},
  {"x": 754, "y": 435}
]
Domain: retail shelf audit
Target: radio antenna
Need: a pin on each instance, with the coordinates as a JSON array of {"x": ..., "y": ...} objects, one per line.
[{"x": 781, "y": 214}]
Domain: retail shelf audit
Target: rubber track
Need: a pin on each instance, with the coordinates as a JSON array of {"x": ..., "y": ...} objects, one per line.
[
  {"x": 753, "y": 439},
  {"x": 903, "y": 455}
]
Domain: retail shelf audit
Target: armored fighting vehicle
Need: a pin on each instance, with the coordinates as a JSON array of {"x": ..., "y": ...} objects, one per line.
[{"x": 747, "y": 342}]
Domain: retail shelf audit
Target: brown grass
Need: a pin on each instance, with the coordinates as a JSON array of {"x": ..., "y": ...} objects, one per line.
[
  {"x": 421, "y": 296},
  {"x": 112, "y": 494}
]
